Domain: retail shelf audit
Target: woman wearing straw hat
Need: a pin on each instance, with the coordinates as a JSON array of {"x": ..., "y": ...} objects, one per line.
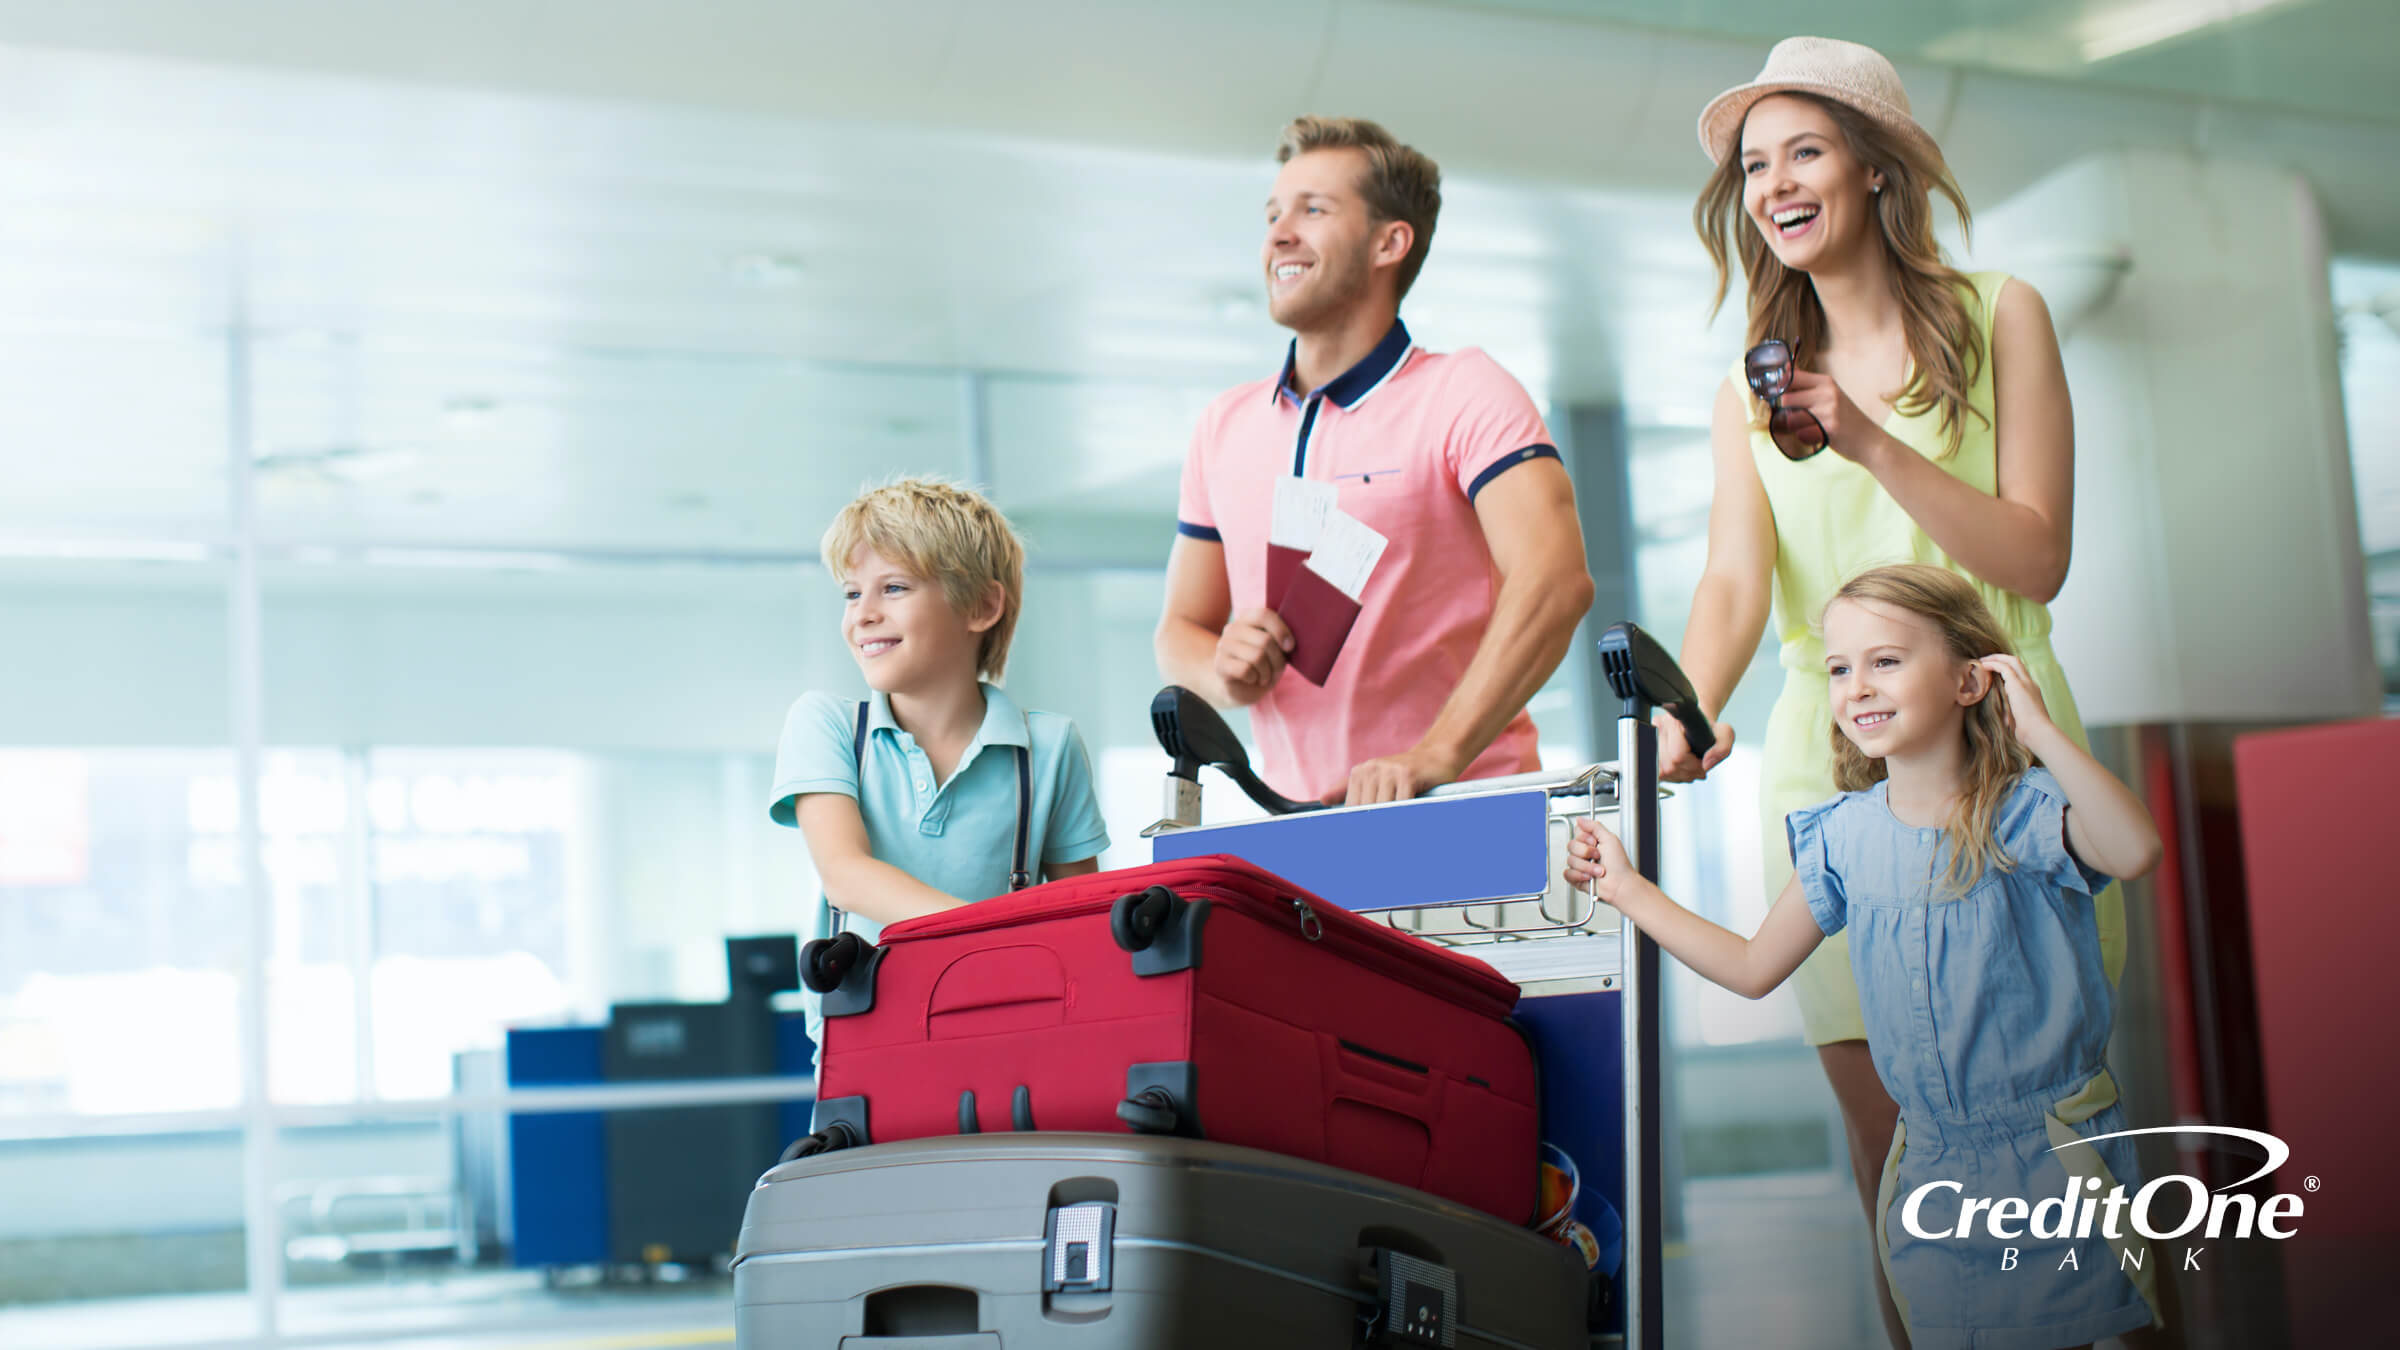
[{"x": 1944, "y": 404}]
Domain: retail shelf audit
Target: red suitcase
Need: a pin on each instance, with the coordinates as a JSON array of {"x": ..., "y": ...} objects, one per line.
[{"x": 1205, "y": 997}]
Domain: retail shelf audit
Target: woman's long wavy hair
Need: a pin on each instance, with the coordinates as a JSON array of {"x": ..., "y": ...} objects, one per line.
[
  {"x": 1995, "y": 757},
  {"x": 1945, "y": 344}
]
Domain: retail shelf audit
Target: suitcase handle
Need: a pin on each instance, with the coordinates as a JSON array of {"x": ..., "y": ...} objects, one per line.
[
  {"x": 831, "y": 1139},
  {"x": 1150, "y": 1111},
  {"x": 824, "y": 962},
  {"x": 1405, "y": 1087},
  {"x": 1159, "y": 928}
]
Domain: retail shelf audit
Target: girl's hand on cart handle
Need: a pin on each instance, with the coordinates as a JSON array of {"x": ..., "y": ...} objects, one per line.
[
  {"x": 1596, "y": 859},
  {"x": 1676, "y": 762}
]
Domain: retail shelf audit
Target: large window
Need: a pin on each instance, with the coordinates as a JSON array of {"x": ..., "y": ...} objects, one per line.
[
  {"x": 441, "y": 890},
  {"x": 475, "y": 901},
  {"x": 121, "y": 931}
]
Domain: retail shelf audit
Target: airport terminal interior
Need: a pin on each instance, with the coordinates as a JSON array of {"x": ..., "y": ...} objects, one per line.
[{"x": 417, "y": 423}]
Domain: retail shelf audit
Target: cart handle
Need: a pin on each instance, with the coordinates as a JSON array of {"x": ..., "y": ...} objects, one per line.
[
  {"x": 1642, "y": 674},
  {"x": 1194, "y": 734}
]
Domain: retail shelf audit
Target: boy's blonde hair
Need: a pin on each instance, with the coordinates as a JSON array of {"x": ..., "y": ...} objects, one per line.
[
  {"x": 1995, "y": 757},
  {"x": 948, "y": 534}
]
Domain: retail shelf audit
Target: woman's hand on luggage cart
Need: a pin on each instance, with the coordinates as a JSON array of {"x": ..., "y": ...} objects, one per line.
[
  {"x": 1676, "y": 762},
  {"x": 1250, "y": 654}
]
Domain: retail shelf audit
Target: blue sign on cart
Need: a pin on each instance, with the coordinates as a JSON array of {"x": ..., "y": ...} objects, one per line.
[{"x": 1433, "y": 851}]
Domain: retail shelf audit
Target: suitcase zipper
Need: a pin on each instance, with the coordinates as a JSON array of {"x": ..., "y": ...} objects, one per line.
[
  {"x": 1003, "y": 911},
  {"x": 1310, "y": 927}
]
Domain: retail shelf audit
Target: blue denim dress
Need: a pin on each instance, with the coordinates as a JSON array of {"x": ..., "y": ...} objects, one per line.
[{"x": 1988, "y": 1017}]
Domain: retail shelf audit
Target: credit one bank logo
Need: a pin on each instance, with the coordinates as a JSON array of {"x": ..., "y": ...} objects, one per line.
[{"x": 2080, "y": 1210}]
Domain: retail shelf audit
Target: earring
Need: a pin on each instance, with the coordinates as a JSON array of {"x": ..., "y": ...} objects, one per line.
[{"x": 1877, "y": 189}]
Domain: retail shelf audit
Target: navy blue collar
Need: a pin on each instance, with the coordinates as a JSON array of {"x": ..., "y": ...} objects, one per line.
[{"x": 1355, "y": 383}]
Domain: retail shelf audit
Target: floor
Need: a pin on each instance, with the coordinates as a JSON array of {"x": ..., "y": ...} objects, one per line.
[{"x": 1774, "y": 1260}]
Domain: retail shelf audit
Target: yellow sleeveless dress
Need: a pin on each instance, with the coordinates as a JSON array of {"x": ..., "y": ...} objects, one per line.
[{"x": 1833, "y": 521}]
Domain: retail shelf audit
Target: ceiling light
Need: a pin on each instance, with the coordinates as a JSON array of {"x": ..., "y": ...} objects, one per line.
[
  {"x": 2130, "y": 28},
  {"x": 337, "y": 463},
  {"x": 468, "y": 559},
  {"x": 767, "y": 271},
  {"x": 108, "y": 550},
  {"x": 2387, "y": 308},
  {"x": 470, "y": 415}
]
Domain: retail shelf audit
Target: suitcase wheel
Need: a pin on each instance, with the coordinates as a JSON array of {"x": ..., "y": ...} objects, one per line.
[
  {"x": 1136, "y": 920},
  {"x": 825, "y": 961},
  {"x": 1600, "y": 1303},
  {"x": 831, "y": 1139},
  {"x": 1150, "y": 1111}
]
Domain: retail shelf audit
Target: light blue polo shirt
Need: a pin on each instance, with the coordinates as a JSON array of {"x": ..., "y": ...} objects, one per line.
[{"x": 958, "y": 836}]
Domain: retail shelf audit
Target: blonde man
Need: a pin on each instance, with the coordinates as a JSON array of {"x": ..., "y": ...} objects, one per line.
[
  {"x": 938, "y": 789},
  {"x": 1482, "y": 580}
]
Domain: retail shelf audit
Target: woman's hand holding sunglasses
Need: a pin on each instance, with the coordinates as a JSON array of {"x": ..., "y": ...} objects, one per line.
[{"x": 1813, "y": 406}]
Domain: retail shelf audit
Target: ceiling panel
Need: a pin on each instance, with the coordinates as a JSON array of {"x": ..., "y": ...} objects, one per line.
[
  {"x": 2331, "y": 57},
  {"x": 661, "y": 451},
  {"x": 543, "y": 322},
  {"x": 111, "y": 436}
]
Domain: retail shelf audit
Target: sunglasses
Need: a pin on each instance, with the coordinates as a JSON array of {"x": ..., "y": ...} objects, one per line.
[{"x": 1795, "y": 431}]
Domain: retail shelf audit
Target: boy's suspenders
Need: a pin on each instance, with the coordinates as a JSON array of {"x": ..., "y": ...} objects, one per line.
[{"x": 1019, "y": 876}]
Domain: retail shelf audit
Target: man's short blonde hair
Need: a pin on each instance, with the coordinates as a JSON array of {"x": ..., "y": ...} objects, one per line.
[
  {"x": 948, "y": 534},
  {"x": 1400, "y": 183}
]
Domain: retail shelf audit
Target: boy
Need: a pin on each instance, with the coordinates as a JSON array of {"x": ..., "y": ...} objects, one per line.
[{"x": 920, "y": 799}]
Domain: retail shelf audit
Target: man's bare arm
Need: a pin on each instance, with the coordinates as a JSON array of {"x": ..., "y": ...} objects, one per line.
[
  {"x": 1529, "y": 522},
  {"x": 1230, "y": 659}
]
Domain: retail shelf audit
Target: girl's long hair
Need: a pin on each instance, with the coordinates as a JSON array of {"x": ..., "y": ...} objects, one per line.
[
  {"x": 1995, "y": 757},
  {"x": 1945, "y": 344}
]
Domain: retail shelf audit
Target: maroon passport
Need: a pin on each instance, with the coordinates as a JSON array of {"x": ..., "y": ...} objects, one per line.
[
  {"x": 1282, "y": 563},
  {"x": 1320, "y": 618}
]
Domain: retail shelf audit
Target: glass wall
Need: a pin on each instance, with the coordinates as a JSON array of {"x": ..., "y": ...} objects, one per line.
[
  {"x": 123, "y": 903},
  {"x": 519, "y": 629},
  {"x": 1749, "y": 1093},
  {"x": 2367, "y": 295}
]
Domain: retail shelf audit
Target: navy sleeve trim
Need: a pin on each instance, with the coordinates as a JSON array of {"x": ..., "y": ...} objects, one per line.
[
  {"x": 1208, "y": 532},
  {"x": 1524, "y": 456}
]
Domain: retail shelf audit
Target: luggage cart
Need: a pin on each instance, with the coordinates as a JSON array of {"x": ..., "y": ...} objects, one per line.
[{"x": 1477, "y": 865}]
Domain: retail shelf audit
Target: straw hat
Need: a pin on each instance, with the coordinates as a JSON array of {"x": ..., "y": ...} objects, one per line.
[{"x": 1845, "y": 72}]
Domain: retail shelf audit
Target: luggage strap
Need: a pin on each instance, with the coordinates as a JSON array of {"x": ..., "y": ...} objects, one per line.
[{"x": 1020, "y": 875}]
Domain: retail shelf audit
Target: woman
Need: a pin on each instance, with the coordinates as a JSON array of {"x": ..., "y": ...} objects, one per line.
[{"x": 1940, "y": 406}]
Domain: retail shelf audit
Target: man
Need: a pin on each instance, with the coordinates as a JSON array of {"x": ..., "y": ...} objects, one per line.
[{"x": 1480, "y": 587}]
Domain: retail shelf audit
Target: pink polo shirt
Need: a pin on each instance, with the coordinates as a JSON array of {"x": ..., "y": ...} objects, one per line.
[{"x": 1408, "y": 437}]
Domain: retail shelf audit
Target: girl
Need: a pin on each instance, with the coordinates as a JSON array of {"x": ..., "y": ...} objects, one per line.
[
  {"x": 1962, "y": 857},
  {"x": 1928, "y": 412}
]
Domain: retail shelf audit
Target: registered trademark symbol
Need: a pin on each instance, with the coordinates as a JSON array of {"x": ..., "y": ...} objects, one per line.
[{"x": 2312, "y": 1183}]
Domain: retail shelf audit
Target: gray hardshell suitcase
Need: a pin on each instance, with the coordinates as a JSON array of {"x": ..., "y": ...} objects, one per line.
[{"x": 1112, "y": 1242}]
